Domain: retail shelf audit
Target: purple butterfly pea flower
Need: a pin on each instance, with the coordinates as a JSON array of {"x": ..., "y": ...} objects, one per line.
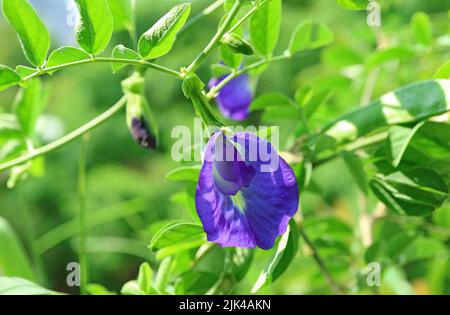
[
  {"x": 235, "y": 97},
  {"x": 246, "y": 193}
]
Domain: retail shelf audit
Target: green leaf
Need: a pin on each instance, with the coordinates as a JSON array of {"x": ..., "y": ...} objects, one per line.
[
  {"x": 422, "y": 248},
  {"x": 442, "y": 216},
  {"x": 286, "y": 250},
  {"x": 230, "y": 58},
  {"x": 356, "y": 168},
  {"x": 8, "y": 77},
  {"x": 176, "y": 237},
  {"x": 145, "y": 278},
  {"x": 311, "y": 98},
  {"x": 242, "y": 260},
  {"x": 271, "y": 100},
  {"x": 28, "y": 106},
  {"x": 341, "y": 56},
  {"x": 66, "y": 55},
  {"x": 159, "y": 39},
  {"x": 310, "y": 35},
  {"x": 443, "y": 72},
  {"x": 131, "y": 288},
  {"x": 9, "y": 127},
  {"x": 415, "y": 192},
  {"x": 13, "y": 259},
  {"x": 33, "y": 34},
  {"x": 95, "y": 25},
  {"x": 24, "y": 71},
  {"x": 394, "y": 281},
  {"x": 195, "y": 282},
  {"x": 184, "y": 173},
  {"x": 265, "y": 27},
  {"x": 421, "y": 28},
  {"x": 123, "y": 14},
  {"x": 353, "y": 4},
  {"x": 398, "y": 140},
  {"x": 400, "y": 53},
  {"x": 219, "y": 70},
  {"x": 163, "y": 275},
  {"x": 122, "y": 52},
  {"x": 401, "y": 106},
  {"x": 19, "y": 286}
]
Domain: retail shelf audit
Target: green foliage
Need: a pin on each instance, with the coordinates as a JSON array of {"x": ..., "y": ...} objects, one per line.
[
  {"x": 353, "y": 4},
  {"x": 159, "y": 39},
  {"x": 8, "y": 77},
  {"x": 95, "y": 26},
  {"x": 33, "y": 34},
  {"x": 176, "y": 237},
  {"x": 13, "y": 258},
  {"x": 421, "y": 29},
  {"x": 309, "y": 35},
  {"x": 265, "y": 27},
  {"x": 122, "y": 52},
  {"x": 123, "y": 14},
  {"x": 285, "y": 252},
  {"x": 29, "y": 105},
  {"x": 66, "y": 55},
  {"x": 19, "y": 286}
]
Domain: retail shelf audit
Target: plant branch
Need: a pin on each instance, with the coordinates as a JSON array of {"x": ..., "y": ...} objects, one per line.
[
  {"x": 326, "y": 273},
  {"x": 66, "y": 139},
  {"x": 141, "y": 63},
  {"x": 205, "y": 12},
  {"x": 216, "y": 39},
  {"x": 235, "y": 73},
  {"x": 83, "y": 259}
]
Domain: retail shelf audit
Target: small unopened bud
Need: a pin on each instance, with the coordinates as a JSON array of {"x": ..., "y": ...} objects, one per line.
[
  {"x": 237, "y": 44},
  {"x": 140, "y": 121}
]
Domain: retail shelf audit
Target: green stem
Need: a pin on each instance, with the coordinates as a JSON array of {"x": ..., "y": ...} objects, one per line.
[
  {"x": 354, "y": 146},
  {"x": 207, "y": 11},
  {"x": 326, "y": 273},
  {"x": 216, "y": 89},
  {"x": 84, "y": 271},
  {"x": 141, "y": 63},
  {"x": 68, "y": 138},
  {"x": 216, "y": 39}
]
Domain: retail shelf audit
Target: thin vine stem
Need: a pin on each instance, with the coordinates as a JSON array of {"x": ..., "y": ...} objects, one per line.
[
  {"x": 66, "y": 139},
  {"x": 326, "y": 273},
  {"x": 235, "y": 73},
  {"x": 216, "y": 39},
  {"x": 141, "y": 63},
  {"x": 83, "y": 259},
  {"x": 205, "y": 12}
]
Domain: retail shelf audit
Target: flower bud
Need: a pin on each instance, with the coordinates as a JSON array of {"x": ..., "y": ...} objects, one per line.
[
  {"x": 140, "y": 120},
  {"x": 237, "y": 44}
]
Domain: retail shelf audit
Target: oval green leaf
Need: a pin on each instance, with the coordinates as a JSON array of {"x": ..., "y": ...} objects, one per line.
[
  {"x": 310, "y": 35},
  {"x": 66, "y": 55},
  {"x": 33, "y": 34},
  {"x": 159, "y": 39},
  {"x": 265, "y": 27},
  {"x": 95, "y": 25},
  {"x": 8, "y": 77},
  {"x": 122, "y": 52}
]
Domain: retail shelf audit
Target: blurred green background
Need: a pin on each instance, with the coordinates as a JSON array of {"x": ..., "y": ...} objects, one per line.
[{"x": 127, "y": 190}]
